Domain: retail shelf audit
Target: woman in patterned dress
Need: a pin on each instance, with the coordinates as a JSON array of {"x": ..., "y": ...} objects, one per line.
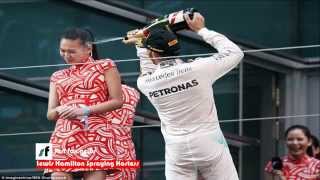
[
  {"x": 79, "y": 98},
  {"x": 297, "y": 165},
  {"x": 122, "y": 121}
]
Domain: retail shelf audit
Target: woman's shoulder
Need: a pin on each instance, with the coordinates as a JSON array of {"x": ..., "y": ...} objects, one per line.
[
  {"x": 105, "y": 63},
  {"x": 59, "y": 72},
  {"x": 315, "y": 161}
]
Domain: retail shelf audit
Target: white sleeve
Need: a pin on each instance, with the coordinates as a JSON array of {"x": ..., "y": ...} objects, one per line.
[
  {"x": 146, "y": 64},
  {"x": 229, "y": 55}
]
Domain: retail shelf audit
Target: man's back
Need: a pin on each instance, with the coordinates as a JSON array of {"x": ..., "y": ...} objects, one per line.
[
  {"x": 182, "y": 93},
  {"x": 183, "y": 97}
]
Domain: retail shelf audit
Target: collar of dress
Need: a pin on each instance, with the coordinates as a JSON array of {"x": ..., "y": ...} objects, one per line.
[
  {"x": 83, "y": 64},
  {"x": 302, "y": 160}
]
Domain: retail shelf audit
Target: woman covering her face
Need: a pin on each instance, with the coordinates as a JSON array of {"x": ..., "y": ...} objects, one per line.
[
  {"x": 296, "y": 164},
  {"x": 79, "y": 98}
]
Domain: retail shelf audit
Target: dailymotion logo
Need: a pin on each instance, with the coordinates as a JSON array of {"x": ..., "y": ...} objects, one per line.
[{"x": 43, "y": 151}]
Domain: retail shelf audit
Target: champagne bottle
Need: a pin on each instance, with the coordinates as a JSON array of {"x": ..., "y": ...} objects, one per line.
[{"x": 173, "y": 22}]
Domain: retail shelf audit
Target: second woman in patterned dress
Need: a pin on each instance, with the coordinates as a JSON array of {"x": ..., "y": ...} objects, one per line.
[
  {"x": 297, "y": 165},
  {"x": 122, "y": 122}
]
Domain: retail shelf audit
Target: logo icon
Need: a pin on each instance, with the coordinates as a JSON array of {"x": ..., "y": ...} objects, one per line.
[{"x": 43, "y": 151}]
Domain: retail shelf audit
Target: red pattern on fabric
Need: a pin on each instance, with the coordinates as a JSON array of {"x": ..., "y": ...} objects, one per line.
[
  {"x": 306, "y": 168},
  {"x": 122, "y": 121},
  {"x": 83, "y": 85}
]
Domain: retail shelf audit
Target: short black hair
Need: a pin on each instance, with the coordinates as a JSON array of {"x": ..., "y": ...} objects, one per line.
[
  {"x": 304, "y": 129},
  {"x": 85, "y": 36},
  {"x": 75, "y": 33}
]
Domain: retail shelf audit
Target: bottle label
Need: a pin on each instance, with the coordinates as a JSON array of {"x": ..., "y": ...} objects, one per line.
[{"x": 176, "y": 17}]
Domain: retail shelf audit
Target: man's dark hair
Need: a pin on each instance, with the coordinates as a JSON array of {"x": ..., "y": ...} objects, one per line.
[{"x": 84, "y": 35}]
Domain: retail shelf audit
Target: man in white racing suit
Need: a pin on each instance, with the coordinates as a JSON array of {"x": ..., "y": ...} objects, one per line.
[{"x": 183, "y": 97}]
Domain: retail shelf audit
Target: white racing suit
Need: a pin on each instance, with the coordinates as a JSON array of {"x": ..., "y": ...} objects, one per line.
[{"x": 183, "y": 97}]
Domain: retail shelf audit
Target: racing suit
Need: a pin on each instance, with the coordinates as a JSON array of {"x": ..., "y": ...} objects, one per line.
[{"x": 182, "y": 94}]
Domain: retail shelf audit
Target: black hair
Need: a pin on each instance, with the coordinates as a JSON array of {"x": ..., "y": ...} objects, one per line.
[
  {"x": 84, "y": 35},
  {"x": 94, "y": 46},
  {"x": 315, "y": 143},
  {"x": 304, "y": 129}
]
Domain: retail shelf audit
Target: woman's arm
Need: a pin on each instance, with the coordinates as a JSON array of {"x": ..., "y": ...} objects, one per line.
[
  {"x": 113, "y": 80},
  {"x": 53, "y": 102}
]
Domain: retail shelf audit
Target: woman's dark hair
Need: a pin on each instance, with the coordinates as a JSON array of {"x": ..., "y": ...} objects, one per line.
[
  {"x": 304, "y": 129},
  {"x": 315, "y": 143},
  {"x": 94, "y": 46},
  {"x": 84, "y": 35}
]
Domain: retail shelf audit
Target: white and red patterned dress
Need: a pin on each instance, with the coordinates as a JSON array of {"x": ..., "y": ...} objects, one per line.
[
  {"x": 306, "y": 168},
  {"x": 83, "y": 85},
  {"x": 122, "y": 121}
]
